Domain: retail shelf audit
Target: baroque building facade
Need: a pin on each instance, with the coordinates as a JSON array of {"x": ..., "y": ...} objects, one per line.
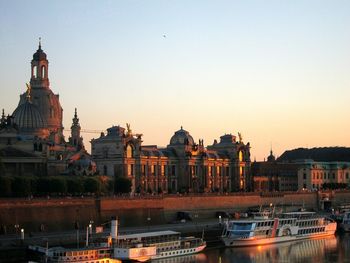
[
  {"x": 31, "y": 138},
  {"x": 182, "y": 166}
]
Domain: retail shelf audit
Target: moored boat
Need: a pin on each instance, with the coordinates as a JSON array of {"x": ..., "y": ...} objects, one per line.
[
  {"x": 75, "y": 255},
  {"x": 282, "y": 228},
  {"x": 153, "y": 245}
]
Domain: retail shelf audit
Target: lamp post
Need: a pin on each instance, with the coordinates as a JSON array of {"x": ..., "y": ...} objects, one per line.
[
  {"x": 22, "y": 235},
  {"x": 196, "y": 218}
]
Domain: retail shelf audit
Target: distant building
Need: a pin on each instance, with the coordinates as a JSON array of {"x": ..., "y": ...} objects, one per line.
[
  {"x": 275, "y": 176},
  {"x": 182, "y": 166},
  {"x": 31, "y": 138},
  {"x": 312, "y": 175},
  {"x": 298, "y": 174}
]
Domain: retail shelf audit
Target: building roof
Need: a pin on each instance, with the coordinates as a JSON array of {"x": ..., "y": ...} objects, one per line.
[
  {"x": 28, "y": 116},
  {"x": 181, "y": 137},
  {"x": 39, "y": 54}
]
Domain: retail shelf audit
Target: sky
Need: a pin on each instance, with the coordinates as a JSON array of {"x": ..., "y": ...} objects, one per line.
[{"x": 278, "y": 72}]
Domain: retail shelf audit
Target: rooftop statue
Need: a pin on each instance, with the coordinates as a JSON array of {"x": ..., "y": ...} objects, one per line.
[
  {"x": 240, "y": 137},
  {"x": 129, "y": 131},
  {"x": 29, "y": 90}
]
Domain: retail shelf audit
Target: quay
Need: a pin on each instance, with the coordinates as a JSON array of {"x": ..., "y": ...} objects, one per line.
[{"x": 14, "y": 249}]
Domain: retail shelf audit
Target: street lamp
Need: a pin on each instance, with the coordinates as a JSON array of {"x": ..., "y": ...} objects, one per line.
[
  {"x": 22, "y": 235},
  {"x": 149, "y": 222}
]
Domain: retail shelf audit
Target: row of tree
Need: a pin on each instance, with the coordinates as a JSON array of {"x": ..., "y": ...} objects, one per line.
[
  {"x": 334, "y": 186},
  {"x": 22, "y": 186}
]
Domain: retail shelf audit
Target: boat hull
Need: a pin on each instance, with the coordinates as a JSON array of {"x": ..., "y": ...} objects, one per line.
[
  {"x": 179, "y": 252},
  {"x": 229, "y": 242}
]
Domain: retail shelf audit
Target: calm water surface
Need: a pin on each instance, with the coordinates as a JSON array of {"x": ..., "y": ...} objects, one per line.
[{"x": 330, "y": 249}]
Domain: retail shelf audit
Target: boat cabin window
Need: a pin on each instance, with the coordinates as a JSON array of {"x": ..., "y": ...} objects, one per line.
[{"x": 242, "y": 226}]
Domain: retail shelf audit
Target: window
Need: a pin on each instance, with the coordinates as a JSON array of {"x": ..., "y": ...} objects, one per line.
[
  {"x": 129, "y": 151},
  {"x": 153, "y": 169},
  {"x": 130, "y": 169},
  {"x": 34, "y": 71},
  {"x": 240, "y": 156},
  {"x": 43, "y": 72}
]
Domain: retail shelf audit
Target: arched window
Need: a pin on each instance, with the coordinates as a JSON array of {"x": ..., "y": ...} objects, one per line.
[
  {"x": 240, "y": 156},
  {"x": 129, "y": 151},
  {"x": 34, "y": 71},
  {"x": 43, "y": 72}
]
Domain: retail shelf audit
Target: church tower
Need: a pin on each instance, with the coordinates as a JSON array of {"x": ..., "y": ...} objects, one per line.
[
  {"x": 76, "y": 140},
  {"x": 39, "y": 70},
  {"x": 42, "y": 96}
]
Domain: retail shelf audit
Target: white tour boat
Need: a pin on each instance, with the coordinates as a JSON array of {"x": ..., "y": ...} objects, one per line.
[
  {"x": 136, "y": 247},
  {"x": 76, "y": 255},
  {"x": 153, "y": 245},
  {"x": 268, "y": 230}
]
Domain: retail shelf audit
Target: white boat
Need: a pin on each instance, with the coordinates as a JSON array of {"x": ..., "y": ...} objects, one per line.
[
  {"x": 156, "y": 245},
  {"x": 137, "y": 247},
  {"x": 345, "y": 222},
  {"x": 283, "y": 228},
  {"x": 76, "y": 255}
]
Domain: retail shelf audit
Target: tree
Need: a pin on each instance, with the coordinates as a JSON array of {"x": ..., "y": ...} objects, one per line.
[
  {"x": 21, "y": 186},
  {"x": 75, "y": 185},
  {"x": 43, "y": 186},
  {"x": 58, "y": 185},
  {"x": 105, "y": 183},
  {"x": 5, "y": 186},
  {"x": 122, "y": 185},
  {"x": 92, "y": 185},
  {"x": 2, "y": 167}
]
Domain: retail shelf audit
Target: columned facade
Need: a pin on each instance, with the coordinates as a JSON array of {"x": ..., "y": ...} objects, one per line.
[{"x": 183, "y": 166}]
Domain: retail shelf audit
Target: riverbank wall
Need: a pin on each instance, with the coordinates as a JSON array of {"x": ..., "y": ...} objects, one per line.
[{"x": 56, "y": 214}]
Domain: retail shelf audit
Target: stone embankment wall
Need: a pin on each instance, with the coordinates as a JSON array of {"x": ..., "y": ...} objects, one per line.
[
  {"x": 204, "y": 202},
  {"x": 61, "y": 213}
]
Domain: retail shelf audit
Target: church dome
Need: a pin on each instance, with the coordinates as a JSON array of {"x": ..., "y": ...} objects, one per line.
[
  {"x": 27, "y": 116},
  {"x": 39, "y": 54},
  {"x": 182, "y": 137}
]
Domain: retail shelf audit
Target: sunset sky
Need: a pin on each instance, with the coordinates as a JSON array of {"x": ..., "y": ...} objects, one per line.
[{"x": 276, "y": 71}]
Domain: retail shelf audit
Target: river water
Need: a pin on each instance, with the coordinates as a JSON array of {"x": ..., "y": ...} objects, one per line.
[
  {"x": 326, "y": 250},
  {"x": 334, "y": 249}
]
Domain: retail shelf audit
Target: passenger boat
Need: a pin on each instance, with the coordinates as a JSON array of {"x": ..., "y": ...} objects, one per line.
[
  {"x": 156, "y": 245},
  {"x": 136, "y": 247},
  {"x": 282, "y": 228},
  {"x": 76, "y": 255}
]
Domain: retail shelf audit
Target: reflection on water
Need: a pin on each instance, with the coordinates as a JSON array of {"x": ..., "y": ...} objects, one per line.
[{"x": 329, "y": 249}]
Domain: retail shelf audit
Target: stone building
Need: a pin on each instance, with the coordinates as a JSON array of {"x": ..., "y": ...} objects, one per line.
[
  {"x": 312, "y": 175},
  {"x": 31, "y": 138},
  {"x": 182, "y": 166},
  {"x": 275, "y": 176},
  {"x": 299, "y": 174}
]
